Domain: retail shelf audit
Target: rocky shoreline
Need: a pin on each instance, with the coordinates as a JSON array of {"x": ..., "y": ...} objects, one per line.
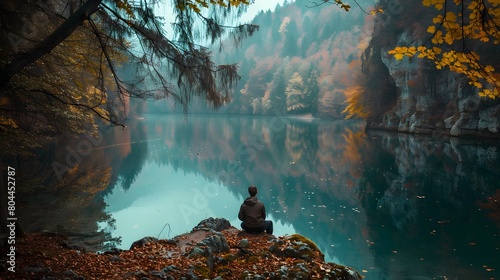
[{"x": 212, "y": 250}]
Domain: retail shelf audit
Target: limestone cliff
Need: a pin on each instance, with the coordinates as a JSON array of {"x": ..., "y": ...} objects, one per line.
[{"x": 422, "y": 99}]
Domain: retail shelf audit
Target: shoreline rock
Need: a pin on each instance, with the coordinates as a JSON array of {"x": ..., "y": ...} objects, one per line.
[{"x": 212, "y": 250}]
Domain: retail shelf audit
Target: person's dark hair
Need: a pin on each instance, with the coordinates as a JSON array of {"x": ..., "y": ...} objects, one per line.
[{"x": 252, "y": 190}]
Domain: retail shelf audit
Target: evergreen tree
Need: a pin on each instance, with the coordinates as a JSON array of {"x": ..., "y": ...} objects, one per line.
[
  {"x": 278, "y": 92},
  {"x": 312, "y": 88},
  {"x": 290, "y": 47}
]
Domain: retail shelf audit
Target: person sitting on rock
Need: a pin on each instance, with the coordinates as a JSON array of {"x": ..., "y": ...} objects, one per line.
[{"x": 253, "y": 214}]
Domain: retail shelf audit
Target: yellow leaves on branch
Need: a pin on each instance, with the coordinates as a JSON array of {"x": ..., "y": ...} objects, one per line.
[
  {"x": 479, "y": 21},
  {"x": 125, "y": 6},
  {"x": 400, "y": 52},
  {"x": 438, "y": 4},
  {"x": 343, "y": 5},
  {"x": 377, "y": 11},
  {"x": 481, "y": 76}
]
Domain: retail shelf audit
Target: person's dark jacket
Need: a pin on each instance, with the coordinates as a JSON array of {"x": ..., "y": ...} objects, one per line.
[{"x": 252, "y": 213}]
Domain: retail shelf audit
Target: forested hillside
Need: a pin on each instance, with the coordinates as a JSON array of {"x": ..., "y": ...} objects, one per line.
[
  {"x": 303, "y": 60},
  {"x": 412, "y": 66}
]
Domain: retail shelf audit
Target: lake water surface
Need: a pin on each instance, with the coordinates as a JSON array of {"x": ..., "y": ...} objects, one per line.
[{"x": 392, "y": 206}]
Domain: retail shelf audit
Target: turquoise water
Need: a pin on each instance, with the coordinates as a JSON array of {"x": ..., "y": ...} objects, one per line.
[{"x": 393, "y": 206}]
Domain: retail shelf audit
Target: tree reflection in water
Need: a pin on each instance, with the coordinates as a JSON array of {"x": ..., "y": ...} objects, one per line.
[{"x": 391, "y": 205}]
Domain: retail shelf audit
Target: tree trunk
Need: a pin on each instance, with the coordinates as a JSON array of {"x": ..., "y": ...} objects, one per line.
[{"x": 24, "y": 59}]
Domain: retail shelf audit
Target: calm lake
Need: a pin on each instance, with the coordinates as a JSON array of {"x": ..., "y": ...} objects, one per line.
[{"x": 392, "y": 206}]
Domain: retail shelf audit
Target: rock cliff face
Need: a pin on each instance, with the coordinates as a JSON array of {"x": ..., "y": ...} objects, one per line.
[{"x": 427, "y": 100}]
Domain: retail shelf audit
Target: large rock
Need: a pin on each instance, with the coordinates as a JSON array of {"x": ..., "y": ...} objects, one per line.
[
  {"x": 141, "y": 242},
  {"x": 217, "y": 243},
  {"x": 298, "y": 247},
  {"x": 216, "y": 224}
]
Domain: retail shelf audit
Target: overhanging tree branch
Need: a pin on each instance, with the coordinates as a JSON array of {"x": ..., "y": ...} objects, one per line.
[
  {"x": 25, "y": 58},
  {"x": 93, "y": 108}
]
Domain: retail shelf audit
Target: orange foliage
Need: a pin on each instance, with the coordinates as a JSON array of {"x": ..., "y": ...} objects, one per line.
[
  {"x": 355, "y": 102},
  {"x": 44, "y": 252}
]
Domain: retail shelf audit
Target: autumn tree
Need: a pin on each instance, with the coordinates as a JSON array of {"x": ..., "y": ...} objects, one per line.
[
  {"x": 460, "y": 34},
  {"x": 294, "y": 93},
  {"x": 60, "y": 66},
  {"x": 356, "y": 103}
]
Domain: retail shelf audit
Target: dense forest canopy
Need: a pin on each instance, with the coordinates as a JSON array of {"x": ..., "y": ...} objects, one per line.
[
  {"x": 314, "y": 58},
  {"x": 304, "y": 60}
]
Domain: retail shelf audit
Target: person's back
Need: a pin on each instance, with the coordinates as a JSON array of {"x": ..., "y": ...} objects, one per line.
[{"x": 253, "y": 214}]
